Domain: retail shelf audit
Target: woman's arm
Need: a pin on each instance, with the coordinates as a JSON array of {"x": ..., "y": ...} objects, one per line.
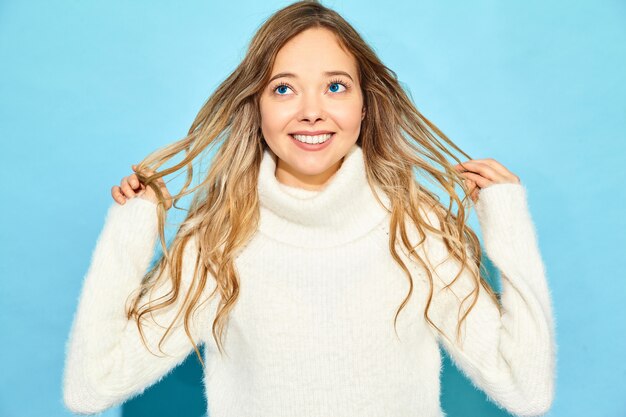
[
  {"x": 106, "y": 361},
  {"x": 510, "y": 357}
]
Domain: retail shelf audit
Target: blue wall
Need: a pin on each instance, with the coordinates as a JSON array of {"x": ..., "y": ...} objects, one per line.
[{"x": 89, "y": 88}]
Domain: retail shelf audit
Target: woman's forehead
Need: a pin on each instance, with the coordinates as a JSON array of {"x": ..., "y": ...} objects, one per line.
[{"x": 314, "y": 52}]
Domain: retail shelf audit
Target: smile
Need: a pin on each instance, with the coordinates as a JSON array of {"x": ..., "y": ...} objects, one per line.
[{"x": 312, "y": 139}]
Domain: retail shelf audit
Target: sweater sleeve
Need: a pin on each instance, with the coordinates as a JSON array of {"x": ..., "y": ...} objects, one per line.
[
  {"x": 511, "y": 357},
  {"x": 106, "y": 361}
]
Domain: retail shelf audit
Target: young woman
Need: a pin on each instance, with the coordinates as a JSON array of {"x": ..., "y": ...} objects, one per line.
[{"x": 317, "y": 271}]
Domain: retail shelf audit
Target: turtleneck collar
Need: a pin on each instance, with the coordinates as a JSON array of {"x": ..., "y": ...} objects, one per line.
[{"x": 344, "y": 210}]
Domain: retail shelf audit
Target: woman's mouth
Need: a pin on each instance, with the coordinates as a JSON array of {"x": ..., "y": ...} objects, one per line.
[
  {"x": 312, "y": 143},
  {"x": 312, "y": 140}
]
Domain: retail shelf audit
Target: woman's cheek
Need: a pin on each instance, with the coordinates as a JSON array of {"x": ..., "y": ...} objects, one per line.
[
  {"x": 349, "y": 117},
  {"x": 275, "y": 117}
]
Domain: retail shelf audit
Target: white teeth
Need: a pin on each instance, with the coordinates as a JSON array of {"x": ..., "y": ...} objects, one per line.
[{"x": 312, "y": 139}]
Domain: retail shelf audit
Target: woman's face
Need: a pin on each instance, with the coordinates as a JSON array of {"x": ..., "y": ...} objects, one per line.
[{"x": 314, "y": 87}]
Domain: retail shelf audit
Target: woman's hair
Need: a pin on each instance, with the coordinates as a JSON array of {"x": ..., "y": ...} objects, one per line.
[{"x": 397, "y": 142}]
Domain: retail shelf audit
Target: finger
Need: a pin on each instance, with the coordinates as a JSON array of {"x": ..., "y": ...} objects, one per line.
[
  {"x": 501, "y": 169},
  {"x": 144, "y": 171},
  {"x": 127, "y": 190},
  {"x": 474, "y": 195},
  {"x": 481, "y": 181},
  {"x": 165, "y": 191},
  {"x": 148, "y": 172},
  {"x": 117, "y": 195},
  {"x": 471, "y": 186},
  {"x": 134, "y": 182},
  {"x": 482, "y": 169},
  {"x": 159, "y": 181},
  {"x": 163, "y": 186},
  {"x": 507, "y": 176}
]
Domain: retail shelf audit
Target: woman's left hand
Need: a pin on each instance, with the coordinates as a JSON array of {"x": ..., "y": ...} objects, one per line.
[{"x": 481, "y": 173}]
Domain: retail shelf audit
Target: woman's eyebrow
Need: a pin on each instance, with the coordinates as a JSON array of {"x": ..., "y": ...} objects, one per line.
[{"x": 292, "y": 75}]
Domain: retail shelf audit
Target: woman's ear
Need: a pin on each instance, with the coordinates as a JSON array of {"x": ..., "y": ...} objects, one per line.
[{"x": 363, "y": 114}]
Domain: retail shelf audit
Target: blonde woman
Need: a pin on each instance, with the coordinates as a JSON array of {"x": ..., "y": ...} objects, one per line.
[{"x": 315, "y": 268}]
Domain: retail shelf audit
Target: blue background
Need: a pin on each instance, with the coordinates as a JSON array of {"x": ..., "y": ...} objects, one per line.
[{"x": 89, "y": 88}]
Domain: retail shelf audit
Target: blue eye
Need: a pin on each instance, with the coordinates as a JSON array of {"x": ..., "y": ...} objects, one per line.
[
  {"x": 283, "y": 86},
  {"x": 335, "y": 84}
]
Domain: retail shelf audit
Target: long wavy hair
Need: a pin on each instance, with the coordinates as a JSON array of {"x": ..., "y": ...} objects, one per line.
[{"x": 397, "y": 142}]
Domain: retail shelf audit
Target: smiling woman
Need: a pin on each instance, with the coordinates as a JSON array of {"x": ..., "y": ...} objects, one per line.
[
  {"x": 320, "y": 108},
  {"x": 306, "y": 240}
]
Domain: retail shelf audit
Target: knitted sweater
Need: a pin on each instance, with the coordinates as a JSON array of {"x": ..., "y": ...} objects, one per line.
[{"x": 312, "y": 331}]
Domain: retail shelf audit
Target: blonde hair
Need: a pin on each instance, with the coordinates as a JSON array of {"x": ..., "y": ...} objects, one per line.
[{"x": 396, "y": 140}]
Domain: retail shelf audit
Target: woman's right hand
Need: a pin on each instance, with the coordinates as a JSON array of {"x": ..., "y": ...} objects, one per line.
[{"x": 131, "y": 187}]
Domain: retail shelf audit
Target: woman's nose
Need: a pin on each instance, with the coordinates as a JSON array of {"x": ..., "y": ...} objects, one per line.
[{"x": 311, "y": 108}]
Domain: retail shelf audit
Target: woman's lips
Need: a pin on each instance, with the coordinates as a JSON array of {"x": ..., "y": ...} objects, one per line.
[{"x": 311, "y": 146}]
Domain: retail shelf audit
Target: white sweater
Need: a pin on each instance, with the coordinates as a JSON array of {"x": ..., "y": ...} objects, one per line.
[{"x": 312, "y": 331}]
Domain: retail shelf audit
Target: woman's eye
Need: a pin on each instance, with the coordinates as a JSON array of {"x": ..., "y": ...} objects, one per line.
[
  {"x": 281, "y": 89},
  {"x": 334, "y": 86}
]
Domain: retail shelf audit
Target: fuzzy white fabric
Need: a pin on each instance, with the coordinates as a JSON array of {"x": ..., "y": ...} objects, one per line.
[{"x": 312, "y": 333}]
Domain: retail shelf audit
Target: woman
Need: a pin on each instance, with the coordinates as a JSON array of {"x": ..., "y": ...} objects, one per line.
[{"x": 325, "y": 272}]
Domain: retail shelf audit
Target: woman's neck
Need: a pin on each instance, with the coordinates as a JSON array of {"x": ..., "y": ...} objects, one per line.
[{"x": 286, "y": 175}]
